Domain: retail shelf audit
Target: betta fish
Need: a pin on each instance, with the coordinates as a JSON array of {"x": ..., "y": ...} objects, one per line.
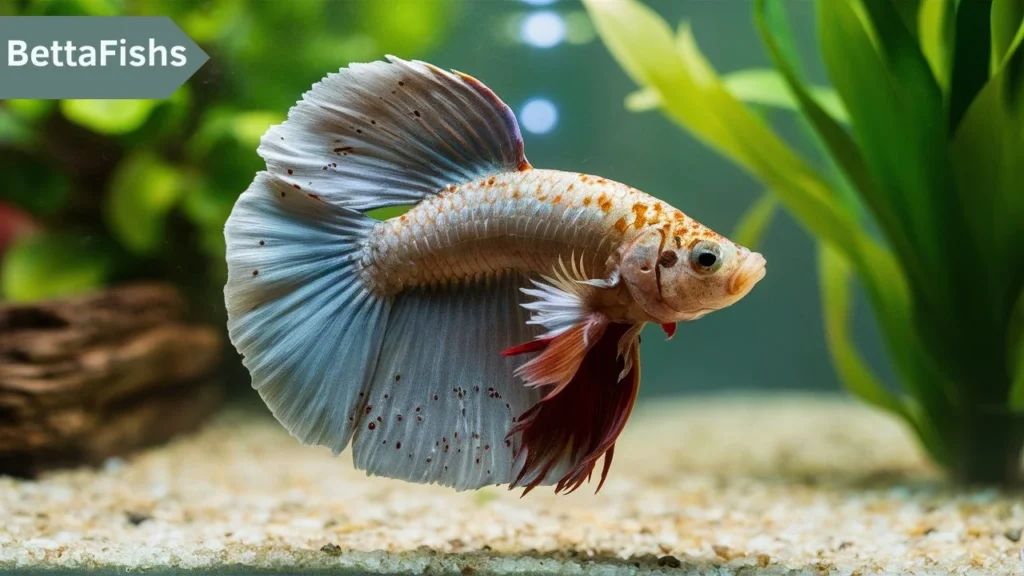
[{"x": 487, "y": 335}]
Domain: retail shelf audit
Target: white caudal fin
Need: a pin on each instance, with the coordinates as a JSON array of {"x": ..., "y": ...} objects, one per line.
[
  {"x": 390, "y": 133},
  {"x": 307, "y": 328}
]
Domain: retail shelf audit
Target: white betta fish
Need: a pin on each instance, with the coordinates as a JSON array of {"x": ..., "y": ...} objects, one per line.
[{"x": 490, "y": 334}]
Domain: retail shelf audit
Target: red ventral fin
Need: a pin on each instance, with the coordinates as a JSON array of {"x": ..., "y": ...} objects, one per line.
[
  {"x": 561, "y": 355},
  {"x": 670, "y": 330},
  {"x": 527, "y": 347},
  {"x": 571, "y": 430}
]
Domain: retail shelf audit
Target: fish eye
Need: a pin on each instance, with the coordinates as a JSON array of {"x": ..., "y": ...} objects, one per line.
[{"x": 706, "y": 257}]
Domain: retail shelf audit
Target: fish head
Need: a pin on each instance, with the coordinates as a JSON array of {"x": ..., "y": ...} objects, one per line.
[{"x": 676, "y": 277}]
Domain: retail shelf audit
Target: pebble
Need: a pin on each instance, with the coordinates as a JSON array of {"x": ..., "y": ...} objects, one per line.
[{"x": 669, "y": 561}]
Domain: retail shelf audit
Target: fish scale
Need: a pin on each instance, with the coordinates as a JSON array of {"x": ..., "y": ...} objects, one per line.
[{"x": 524, "y": 221}]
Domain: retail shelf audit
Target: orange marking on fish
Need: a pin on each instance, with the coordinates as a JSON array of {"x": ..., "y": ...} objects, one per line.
[
  {"x": 640, "y": 210},
  {"x": 587, "y": 200},
  {"x": 621, "y": 225},
  {"x": 556, "y": 199}
]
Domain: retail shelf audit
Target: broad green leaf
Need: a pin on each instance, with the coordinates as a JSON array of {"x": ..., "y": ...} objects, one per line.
[
  {"x": 763, "y": 87},
  {"x": 101, "y": 7},
  {"x": 32, "y": 184},
  {"x": 754, "y": 222},
  {"x": 936, "y": 25},
  {"x": 908, "y": 11},
  {"x": 30, "y": 109},
  {"x": 41, "y": 266},
  {"x": 142, "y": 193},
  {"x": 108, "y": 116},
  {"x": 14, "y": 130},
  {"x": 244, "y": 127},
  {"x": 986, "y": 152},
  {"x": 1007, "y": 21}
]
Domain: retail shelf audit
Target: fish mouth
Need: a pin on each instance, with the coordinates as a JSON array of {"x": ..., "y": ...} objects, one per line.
[{"x": 750, "y": 272}]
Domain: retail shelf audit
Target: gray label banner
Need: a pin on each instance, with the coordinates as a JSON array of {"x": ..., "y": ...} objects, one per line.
[{"x": 51, "y": 57}]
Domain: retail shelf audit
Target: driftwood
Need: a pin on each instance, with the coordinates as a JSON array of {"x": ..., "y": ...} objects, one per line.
[{"x": 88, "y": 378}]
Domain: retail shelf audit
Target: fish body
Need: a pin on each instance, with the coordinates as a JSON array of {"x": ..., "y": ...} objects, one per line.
[{"x": 488, "y": 335}]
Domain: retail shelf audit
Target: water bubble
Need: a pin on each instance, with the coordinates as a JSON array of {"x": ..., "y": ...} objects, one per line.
[
  {"x": 539, "y": 115},
  {"x": 543, "y": 29}
]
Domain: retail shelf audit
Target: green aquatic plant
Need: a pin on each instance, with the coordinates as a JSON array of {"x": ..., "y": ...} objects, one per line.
[
  {"x": 140, "y": 189},
  {"x": 920, "y": 198}
]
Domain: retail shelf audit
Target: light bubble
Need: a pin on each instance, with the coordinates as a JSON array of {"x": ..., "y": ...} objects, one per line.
[
  {"x": 543, "y": 29},
  {"x": 538, "y": 2},
  {"x": 539, "y": 115}
]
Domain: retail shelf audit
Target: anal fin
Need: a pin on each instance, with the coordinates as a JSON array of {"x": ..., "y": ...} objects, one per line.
[{"x": 563, "y": 436}]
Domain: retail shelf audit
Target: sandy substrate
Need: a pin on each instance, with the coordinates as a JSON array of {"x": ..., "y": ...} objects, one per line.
[{"x": 781, "y": 485}]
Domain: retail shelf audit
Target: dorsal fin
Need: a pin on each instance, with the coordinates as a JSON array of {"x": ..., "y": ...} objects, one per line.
[{"x": 390, "y": 133}]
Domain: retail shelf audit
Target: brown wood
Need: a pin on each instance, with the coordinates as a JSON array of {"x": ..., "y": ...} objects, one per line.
[{"x": 87, "y": 378}]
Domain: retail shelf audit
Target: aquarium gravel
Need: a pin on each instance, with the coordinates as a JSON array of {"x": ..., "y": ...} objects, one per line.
[{"x": 780, "y": 485}]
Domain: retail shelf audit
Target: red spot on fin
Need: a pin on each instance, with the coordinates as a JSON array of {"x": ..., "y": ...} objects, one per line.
[
  {"x": 670, "y": 329},
  {"x": 582, "y": 421}
]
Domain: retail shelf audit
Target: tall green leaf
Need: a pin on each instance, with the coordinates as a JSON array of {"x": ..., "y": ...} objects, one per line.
[
  {"x": 971, "y": 57},
  {"x": 897, "y": 112},
  {"x": 1007, "y": 19},
  {"x": 754, "y": 222},
  {"x": 937, "y": 30},
  {"x": 834, "y": 274},
  {"x": 841, "y": 146},
  {"x": 880, "y": 274},
  {"x": 759, "y": 86}
]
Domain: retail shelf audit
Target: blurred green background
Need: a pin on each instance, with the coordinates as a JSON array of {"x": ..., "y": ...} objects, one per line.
[{"x": 102, "y": 192}]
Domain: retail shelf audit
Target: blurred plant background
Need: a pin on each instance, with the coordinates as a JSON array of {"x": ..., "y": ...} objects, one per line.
[
  {"x": 916, "y": 190},
  {"x": 105, "y": 191},
  {"x": 94, "y": 193}
]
